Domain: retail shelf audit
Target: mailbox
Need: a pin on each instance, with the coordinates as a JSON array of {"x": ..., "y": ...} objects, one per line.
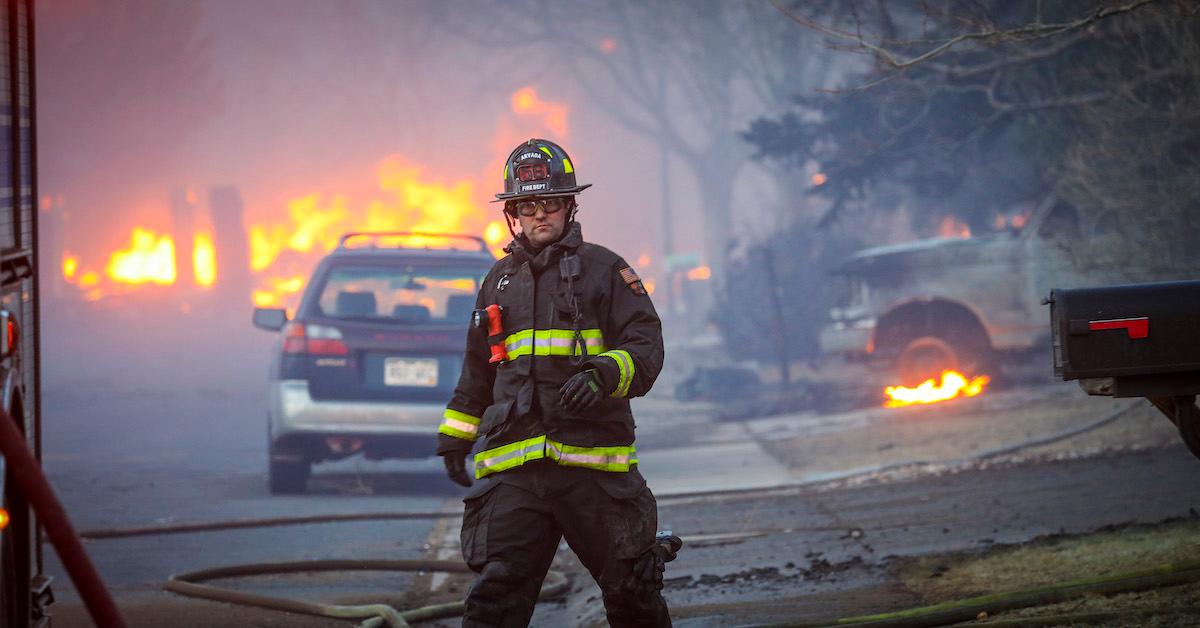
[{"x": 1139, "y": 340}]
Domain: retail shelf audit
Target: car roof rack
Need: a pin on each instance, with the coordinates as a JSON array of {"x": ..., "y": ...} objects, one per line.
[{"x": 411, "y": 234}]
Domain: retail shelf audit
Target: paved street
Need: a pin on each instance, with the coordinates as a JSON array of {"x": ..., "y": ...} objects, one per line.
[{"x": 149, "y": 456}]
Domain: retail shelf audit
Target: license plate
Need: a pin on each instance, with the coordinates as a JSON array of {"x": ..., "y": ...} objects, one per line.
[{"x": 421, "y": 372}]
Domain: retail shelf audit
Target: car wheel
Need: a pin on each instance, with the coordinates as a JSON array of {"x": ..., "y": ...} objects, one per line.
[
  {"x": 925, "y": 358},
  {"x": 289, "y": 477},
  {"x": 287, "y": 471}
]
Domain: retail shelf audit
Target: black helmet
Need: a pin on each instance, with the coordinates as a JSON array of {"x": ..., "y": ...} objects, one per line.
[{"x": 539, "y": 168}]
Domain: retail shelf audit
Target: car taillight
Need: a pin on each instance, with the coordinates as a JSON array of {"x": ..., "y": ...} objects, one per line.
[{"x": 301, "y": 337}]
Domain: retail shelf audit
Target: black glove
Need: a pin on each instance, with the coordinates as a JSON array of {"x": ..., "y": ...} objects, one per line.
[
  {"x": 649, "y": 567},
  {"x": 456, "y": 467},
  {"x": 581, "y": 392}
]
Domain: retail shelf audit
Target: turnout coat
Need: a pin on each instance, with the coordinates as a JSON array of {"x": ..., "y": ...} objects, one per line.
[{"x": 569, "y": 307}]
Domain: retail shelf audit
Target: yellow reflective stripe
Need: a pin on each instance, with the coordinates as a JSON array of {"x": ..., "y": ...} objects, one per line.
[
  {"x": 547, "y": 151},
  {"x": 509, "y": 456},
  {"x": 625, "y": 366},
  {"x": 615, "y": 459},
  {"x": 461, "y": 416},
  {"x": 450, "y": 430},
  {"x": 505, "y": 172},
  {"x": 552, "y": 342},
  {"x": 567, "y": 167},
  {"x": 459, "y": 425}
]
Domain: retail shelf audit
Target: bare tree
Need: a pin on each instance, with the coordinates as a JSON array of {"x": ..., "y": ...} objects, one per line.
[
  {"x": 1098, "y": 97},
  {"x": 687, "y": 75}
]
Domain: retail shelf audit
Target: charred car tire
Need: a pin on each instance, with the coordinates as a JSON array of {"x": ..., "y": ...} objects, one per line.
[
  {"x": 925, "y": 358},
  {"x": 289, "y": 477},
  {"x": 1187, "y": 417}
]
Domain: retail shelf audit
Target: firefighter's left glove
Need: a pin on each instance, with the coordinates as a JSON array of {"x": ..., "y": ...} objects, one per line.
[
  {"x": 581, "y": 392},
  {"x": 456, "y": 467},
  {"x": 649, "y": 567}
]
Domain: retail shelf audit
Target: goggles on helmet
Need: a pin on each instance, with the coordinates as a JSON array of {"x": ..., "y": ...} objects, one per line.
[
  {"x": 548, "y": 205},
  {"x": 533, "y": 172}
]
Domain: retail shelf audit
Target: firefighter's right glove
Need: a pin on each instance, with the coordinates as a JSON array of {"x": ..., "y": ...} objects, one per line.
[
  {"x": 581, "y": 392},
  {"x": 456, "y": 467}
]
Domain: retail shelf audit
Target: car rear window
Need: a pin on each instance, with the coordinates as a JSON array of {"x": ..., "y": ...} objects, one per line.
[{"x": 400, "y": 295}]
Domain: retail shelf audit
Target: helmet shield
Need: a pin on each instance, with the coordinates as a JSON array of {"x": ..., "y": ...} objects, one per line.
[{"x": 532, "y": 172}]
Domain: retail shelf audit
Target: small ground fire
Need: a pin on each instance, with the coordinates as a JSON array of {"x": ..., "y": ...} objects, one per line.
[{"x": 953, "y": 384}]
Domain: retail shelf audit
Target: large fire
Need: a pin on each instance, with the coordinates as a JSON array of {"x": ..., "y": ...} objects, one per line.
[
  {"x": 150, "y": 258},
  {"x": 953, "y": 384},
  {"x": 283, "y": 250},
  {"x": 204, "y": 260},
  {"x": 410, "y": 202}
]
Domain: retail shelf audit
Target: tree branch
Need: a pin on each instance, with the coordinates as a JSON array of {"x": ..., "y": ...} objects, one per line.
[{"x": 1030, "y": 31}]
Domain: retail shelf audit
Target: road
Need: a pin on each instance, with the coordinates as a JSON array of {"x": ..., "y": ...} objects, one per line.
[{"x": 158, "y": 454}]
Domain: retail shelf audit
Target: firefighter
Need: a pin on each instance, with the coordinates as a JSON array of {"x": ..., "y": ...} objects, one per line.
[{"x": 548, "y": 400}]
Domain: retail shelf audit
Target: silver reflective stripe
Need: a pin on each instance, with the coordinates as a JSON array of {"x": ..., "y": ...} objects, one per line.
[
  {"x": 500, "y": 461},
  {"x": 557, "y": 454},
  {"x": 512, "y": 347},
  {"x": 461, "y": 426}
]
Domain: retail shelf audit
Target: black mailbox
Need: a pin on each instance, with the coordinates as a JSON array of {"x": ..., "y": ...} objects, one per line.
[{"x": 1138, "y": 340}]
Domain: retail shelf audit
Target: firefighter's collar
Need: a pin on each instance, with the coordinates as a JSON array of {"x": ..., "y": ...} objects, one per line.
[{"x": 570, "y": 241}]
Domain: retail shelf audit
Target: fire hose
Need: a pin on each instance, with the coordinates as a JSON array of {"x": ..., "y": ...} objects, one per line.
[
  {"x": 188, "y": 584},
  {"x": 27, "y": 473},
  {"x": 375, "y": 614}
]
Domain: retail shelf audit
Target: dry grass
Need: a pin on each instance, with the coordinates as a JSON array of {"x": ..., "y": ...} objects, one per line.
[{"x": 1062, "y": 559}]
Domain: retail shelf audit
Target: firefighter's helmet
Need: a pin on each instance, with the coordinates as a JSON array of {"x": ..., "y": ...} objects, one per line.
[{"x": 539, "y": 168}]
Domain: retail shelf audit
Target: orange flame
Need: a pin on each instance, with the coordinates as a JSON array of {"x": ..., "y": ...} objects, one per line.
[
  {"x": 277, "y": 291},
  {"x": 953, "y": 384},
  {"x": 699, "y": 273},
  {"x": 89, "y": 279},
  {"x": 204, "y": 260},
  {"x": 150, "y": 258},
  {"x": 952, "y": 227},
  {"x": 284, "y": 250},
  {"x": 315, "y": 223},
  {"x": 554, "y": 114},
  {"x": 819, "y": 179},
  {"x": 70, "y": 266}
]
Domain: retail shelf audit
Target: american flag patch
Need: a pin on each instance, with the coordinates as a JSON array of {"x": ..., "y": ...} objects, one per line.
[{"x": 632, "y": 280}]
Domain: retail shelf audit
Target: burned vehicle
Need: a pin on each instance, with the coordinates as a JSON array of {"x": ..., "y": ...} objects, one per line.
[
  {"x": 959, "y": 303},
  {"x": 373, "y": 352}
]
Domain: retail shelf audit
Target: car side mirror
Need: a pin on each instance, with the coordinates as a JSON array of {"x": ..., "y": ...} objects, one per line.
[{"x": 270, "y": 319}]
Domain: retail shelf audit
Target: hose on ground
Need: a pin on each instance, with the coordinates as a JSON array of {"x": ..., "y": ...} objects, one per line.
[
  {"x": 381, "y": 614},
  {"x": 1124, "y": 618},
  {"x": 968, "y": 609},
  {"x": 375, "y": 615}
]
